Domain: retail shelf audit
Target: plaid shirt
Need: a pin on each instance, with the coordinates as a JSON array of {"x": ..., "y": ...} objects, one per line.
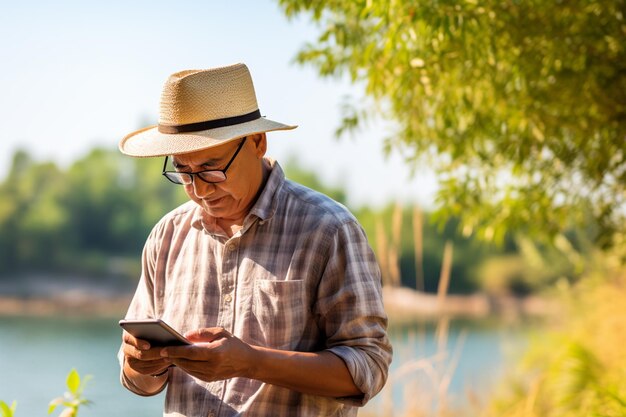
[{"x": 298, "y": 276}]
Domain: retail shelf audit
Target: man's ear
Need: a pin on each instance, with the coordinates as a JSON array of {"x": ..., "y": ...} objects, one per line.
[{"x": 260, "y": 143}]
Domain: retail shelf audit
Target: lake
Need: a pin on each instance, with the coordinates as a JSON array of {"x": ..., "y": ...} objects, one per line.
[{"x": 36, "y": 354}]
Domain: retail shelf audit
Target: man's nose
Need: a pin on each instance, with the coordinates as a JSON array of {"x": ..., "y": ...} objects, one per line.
[{"x": 202, "y": 189}]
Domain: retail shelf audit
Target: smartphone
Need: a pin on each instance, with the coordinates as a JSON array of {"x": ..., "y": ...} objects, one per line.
[{"x": 155, "y": 331}]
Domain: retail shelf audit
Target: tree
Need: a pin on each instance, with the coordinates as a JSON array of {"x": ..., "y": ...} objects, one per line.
[
  {"x": 31, "y": 213},
  {"x": 101, "y": 208},
  {"x": 519, "y": 106}
]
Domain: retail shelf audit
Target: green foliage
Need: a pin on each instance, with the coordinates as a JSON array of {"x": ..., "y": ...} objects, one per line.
[
  {"x": 534, "y": 268},
  {"x": 518, "y": 106},
  {"x": 575, "y": 367},
  {"x": 6, "y": 410},
  {"x": 73, "y": 398},
  {"x": 85, "y": 219},
  {"x": 468, "y": 253}
]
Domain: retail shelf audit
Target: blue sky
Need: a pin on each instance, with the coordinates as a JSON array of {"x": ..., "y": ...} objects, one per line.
[{"x": 76, "y": 74}]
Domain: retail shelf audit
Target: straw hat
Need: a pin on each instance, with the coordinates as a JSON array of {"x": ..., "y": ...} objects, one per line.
[{"x": 201, "y": 109}]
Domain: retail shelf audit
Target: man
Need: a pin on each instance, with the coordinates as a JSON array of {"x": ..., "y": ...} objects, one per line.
[{"x": 273, "y": 283}]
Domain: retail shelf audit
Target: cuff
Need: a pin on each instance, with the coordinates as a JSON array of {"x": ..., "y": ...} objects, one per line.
[{"x": 361, "y": 375}]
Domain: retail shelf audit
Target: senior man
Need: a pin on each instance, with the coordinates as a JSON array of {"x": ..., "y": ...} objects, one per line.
[{"x": 273, "y": 283}]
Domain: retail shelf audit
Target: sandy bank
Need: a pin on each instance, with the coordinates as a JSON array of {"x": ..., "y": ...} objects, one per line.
[{"x": 406, "y": 304}]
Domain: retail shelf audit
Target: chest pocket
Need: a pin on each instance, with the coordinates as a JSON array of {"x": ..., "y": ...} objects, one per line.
[{"x": 279, "y": 310}]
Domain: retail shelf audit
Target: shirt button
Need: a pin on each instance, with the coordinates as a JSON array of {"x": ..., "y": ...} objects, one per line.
[
  {"x": 228, "y": 298},
  {"x": 232, "y": 247}
]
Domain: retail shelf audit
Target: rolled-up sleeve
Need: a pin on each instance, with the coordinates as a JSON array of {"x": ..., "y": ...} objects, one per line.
[{"x": 350, "y": 311}]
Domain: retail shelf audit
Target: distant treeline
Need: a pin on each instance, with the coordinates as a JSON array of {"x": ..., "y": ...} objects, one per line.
[
  {"x": 92, "y": 219},
  {"x": 79, "y": 219}
]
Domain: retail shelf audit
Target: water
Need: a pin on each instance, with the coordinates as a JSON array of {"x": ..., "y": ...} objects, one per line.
[
  {"x": 36, "y": 354},
  {"x": 439, "y": 365}
]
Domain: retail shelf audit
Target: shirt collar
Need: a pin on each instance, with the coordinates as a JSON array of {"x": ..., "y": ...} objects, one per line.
[{"x": 266, "y": 204}]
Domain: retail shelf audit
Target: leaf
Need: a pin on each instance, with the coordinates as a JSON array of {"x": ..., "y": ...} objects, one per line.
[
  {"x": 68, "y": 412},
  {"x": 73, "y": 381},
  {"x": 6, "y": 411},
  {"x": 54, "y": 403},
  {"x": 83, "y": 384}
]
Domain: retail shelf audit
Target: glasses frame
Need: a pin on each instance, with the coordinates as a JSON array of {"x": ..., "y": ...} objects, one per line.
[{"x": 191, "y": 175}]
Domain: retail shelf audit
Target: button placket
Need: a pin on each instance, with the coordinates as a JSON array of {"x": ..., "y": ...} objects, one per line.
[
  {"x": 231, "y": 260},
  {"x": 229, "y": 272}
]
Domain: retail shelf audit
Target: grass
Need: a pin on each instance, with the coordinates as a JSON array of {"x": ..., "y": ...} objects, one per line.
[{"x": 575, "y": 366}]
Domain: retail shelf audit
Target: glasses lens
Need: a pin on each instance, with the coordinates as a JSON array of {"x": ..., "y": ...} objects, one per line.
[
  {"x": 178, "y": 177},
  {"x": 212, "y": 176}
]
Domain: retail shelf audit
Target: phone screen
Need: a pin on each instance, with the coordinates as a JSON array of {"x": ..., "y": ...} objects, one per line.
[{"x": 155, "y": 331}]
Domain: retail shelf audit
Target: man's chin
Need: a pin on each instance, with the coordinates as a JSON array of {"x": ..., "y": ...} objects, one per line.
[{"x": 214, "y": 208}]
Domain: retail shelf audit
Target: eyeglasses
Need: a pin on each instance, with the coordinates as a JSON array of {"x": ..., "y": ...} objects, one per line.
[{"x": 210, "y": 176}]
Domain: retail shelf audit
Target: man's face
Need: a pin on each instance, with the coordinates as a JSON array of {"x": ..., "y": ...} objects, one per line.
[{"x": 232, "y": 198}]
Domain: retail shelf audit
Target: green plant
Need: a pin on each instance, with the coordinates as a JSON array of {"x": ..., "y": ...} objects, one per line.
[
  {"x": 73, "y": 398},
  {"x": 518, "y": 106},
  {"x": 575, "y": 366},
  {"x": 6, "y": 410}
]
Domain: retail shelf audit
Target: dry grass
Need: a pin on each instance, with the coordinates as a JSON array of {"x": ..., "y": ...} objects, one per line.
[
  {"x": 425, "y": 381},
  {"x": 574, "y": 369}
]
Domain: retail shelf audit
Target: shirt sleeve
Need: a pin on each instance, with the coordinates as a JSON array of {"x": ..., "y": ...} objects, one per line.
[
  {"x": 142, "y": 304},
  {"x": 351, "y": 313}
]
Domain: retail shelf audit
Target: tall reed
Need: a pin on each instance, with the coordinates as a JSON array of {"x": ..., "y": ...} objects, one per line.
[
  {"x": 418, "y": 246},
  {"x": 425, "y": 379}
]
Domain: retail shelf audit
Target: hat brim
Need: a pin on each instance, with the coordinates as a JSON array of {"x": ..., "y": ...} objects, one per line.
[{"x": 149, "y": 141}]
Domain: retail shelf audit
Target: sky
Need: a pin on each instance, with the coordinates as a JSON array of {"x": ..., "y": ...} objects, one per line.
[{"x": 79, "y": 74}]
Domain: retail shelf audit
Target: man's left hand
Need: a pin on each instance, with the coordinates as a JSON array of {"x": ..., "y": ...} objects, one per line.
[{"x": 215, "y": 355}]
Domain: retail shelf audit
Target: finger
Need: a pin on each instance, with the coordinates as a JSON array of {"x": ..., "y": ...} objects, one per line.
[
  {"x": 148, "y": 367},
  {"x": 195, "y": 352},
  {"x": 208, "y": 370},
  {"x": 206, "y": 334},
  {"x": 139, "y": 354},
  {"x": 192, "y": 352},
  {"x": 192, "y": 367},
  {"x": 154, "y": 364},
  {"x": 133, "y": 341}
]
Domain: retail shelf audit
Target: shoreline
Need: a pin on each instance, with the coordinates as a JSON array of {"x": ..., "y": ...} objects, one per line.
[
  {"x": 89, "y": 307},
  {"x": 404, "y": 304},
  {"x": 401, "y": 304}
]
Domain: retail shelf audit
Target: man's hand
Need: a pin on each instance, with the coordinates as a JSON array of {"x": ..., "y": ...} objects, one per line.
[
  {"x": 214, "y": 355},
  {"x": 142, "y": 358}
]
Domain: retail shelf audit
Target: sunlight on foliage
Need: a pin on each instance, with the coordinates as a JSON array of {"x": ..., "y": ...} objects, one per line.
[
  {"x": 576, "y": 368},
  {"x": 518, "y": 106}
]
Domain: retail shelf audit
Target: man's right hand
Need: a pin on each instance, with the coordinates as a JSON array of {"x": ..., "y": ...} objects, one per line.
[{"x": 141, "y": 358}]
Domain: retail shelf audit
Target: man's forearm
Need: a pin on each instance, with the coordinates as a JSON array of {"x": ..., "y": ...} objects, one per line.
[{"x": 317, "y": 373}]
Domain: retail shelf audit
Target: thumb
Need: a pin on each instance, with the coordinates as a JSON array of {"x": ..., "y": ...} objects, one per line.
[{"x": 206, "y": 334}]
